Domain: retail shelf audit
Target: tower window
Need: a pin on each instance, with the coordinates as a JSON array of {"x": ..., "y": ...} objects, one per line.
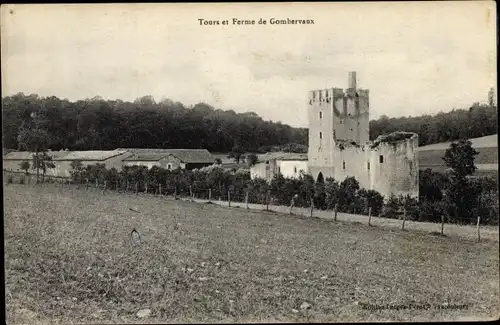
[
  {"x": 279, "y": 170},
  {"x": 320, "y": 115},
  {"x": 368, "y": 165},
  {"x": 321, "y": 135},
  {"x": 295, "y": 169},
  {"x": 381, "y": 159},
  {"x": 343, "y": 165}
]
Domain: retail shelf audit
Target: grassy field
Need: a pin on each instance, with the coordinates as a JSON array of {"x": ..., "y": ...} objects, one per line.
[{"x": 70, "y": 258}]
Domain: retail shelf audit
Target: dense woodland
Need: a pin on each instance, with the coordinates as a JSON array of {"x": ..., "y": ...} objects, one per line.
[{"x": 98, "y": 124}]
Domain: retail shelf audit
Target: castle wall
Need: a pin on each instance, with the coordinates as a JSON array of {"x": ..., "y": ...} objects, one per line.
[
  {"x": 396, "y": 173},
  {"x": 352, "y": 161}
]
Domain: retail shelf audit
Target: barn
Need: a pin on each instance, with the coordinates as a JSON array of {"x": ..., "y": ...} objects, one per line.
[
  {"x": 169, "y": 158},
  {"x": 13, "y": 159},
  {"x": 290, "y": 165},
  {"x": 109, "y": 158}
]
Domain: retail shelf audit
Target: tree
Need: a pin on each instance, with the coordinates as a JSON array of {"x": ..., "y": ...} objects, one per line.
[
  {"x": 44, "y": 162},
  {"x": 461, "y": 194},
  {"x": 252, "y": 159},
  {"x": 431, "y": 185},
  {"x": 25, "y": 165},
  {"x": 347, "y": 194},
  {"x": 76, "y": 170},
  {"x": 371, "y": 199},
  {"x": 218, "y": 161},
  {"x": 460, "y": 158},
  {"x": 33, "y": 138},
  {"x": 332, "y": 188},
  {"x": 236, "y": 153}
]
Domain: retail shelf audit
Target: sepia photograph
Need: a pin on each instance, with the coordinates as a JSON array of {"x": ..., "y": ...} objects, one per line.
[{"x": 320, "y": 162}]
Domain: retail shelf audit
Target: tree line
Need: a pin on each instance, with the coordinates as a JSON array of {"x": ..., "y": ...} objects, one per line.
[
  {"x": 477, "y": 121},
  {"x": 97, "y": 124}
]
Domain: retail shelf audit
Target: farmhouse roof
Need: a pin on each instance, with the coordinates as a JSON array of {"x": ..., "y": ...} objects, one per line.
[
  {"x": 282, "y": 156},
  {"x": 192, "y": 156},
  {"x": 28, "y": 155},
  {"x": 146, "y": 156},
  {"x": 91, "y": 155}
]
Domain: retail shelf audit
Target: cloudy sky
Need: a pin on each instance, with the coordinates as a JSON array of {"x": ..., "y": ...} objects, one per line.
[{"x": 414, "y": 58}]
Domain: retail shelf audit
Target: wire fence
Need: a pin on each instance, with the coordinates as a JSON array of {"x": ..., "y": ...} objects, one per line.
[{"x": 241, "y": 198}]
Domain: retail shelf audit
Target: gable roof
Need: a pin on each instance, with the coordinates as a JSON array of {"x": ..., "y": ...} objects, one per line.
[
  {"x": 282, "y": 156},
  {"x": 192, "y": 156},
  {"x": 28, "y": 155},
  {"x": 91, "y": 155},
  {"x": 146, "y": 156}
]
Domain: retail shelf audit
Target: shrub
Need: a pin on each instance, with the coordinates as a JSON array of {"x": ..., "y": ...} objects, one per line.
[
  {"x": 372, "y": 199},
  {"x": 391, "y": 207}
]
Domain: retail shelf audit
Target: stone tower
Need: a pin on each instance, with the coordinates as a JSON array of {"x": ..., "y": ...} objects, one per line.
[{"x": 336, "y": 115}]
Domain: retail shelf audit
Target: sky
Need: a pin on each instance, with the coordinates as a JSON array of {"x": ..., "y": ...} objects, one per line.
[{"x": 415, "y": 58}]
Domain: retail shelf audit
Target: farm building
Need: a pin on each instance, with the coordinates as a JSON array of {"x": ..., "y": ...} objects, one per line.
[
  {"x": 109, "y": 158},
  {"x": 150, "y": 159},
  {"x": 169, "y": 158},
  {"x": 13, "y": 159},
  {"x": 290, "y": 165}
]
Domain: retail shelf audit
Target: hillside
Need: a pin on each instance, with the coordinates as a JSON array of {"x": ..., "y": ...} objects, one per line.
[{"x": 430, "y": 156}]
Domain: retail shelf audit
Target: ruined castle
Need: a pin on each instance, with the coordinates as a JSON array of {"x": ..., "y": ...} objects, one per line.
[{"x": 340, "y": 147}]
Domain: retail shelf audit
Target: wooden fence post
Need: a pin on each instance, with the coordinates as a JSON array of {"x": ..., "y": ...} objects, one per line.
[
  {"x": 191, "y": 192},
  {"x": 104, "y": 187},
  {"x": 136, "y": 188},
  {"x": 86, "y": 184},
  {"x": 159, "y": 188},
  {"x": 96, "y": 183},
  {"x": 404, "y": 219},
  {"x": 369, "y": 216},
  {"x": 146, "y": 187},
  {"x": 229, "y": 198},
  {"x": 267, "y": 201},
  {"x": 335, "y": 212},
  {"x": 175, "y": 193},
  {"x": 442, "y": 224},
  {"x": 312, "y": 207},
  {"x": 116, "y": 185},
  {"x": 292, "y": 203},
  {"x": 127, "y": 185},
  {"x": 478, "y": 234},
  {"x": 209, "y": 195},
  {"x": 246, "y": 200}
]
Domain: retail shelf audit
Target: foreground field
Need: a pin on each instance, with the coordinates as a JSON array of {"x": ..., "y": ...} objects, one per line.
[{"x": 70, "y": 258}]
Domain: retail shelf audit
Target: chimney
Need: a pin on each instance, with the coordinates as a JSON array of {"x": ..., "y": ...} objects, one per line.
[{"x": 352, "y": 79}]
